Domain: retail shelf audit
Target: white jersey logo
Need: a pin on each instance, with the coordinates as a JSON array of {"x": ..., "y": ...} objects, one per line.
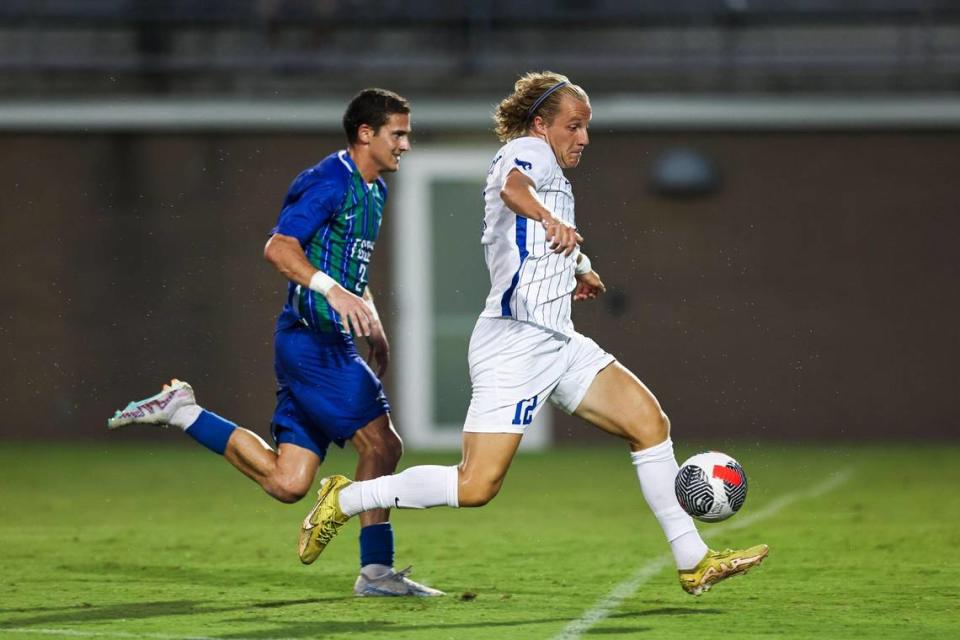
[{"x": 523, "y": 164}]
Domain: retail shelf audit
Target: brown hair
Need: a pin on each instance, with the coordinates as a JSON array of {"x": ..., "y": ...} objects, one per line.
[
  {"x": 372, "y": 107},
  {"x": 515, "y": 112}
]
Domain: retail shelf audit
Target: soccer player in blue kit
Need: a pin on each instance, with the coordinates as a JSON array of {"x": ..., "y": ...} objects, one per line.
[{"x": 322, "y": 244}]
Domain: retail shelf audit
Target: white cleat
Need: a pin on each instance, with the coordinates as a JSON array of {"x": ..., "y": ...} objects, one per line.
[
  {"x": 393, "y": 583},
  {"x": 158, "y": 409}
]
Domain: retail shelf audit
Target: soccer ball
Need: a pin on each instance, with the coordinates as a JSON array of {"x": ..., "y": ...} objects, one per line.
[{"x": 711, "y": 486}]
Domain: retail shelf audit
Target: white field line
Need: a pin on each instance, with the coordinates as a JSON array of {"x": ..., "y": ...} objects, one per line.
[{"x": 628, "y": 587}]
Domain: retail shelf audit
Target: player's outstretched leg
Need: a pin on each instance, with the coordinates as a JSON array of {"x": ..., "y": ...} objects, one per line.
[
  {"x": 323, "y": 523},
  {"x": 285, "y": 474},
  {"x": 176, "y": 406},
  {"x": 720, "y": 565},
  {"x": 619, "y": 403},
  {"x": 473, "y": 483}
]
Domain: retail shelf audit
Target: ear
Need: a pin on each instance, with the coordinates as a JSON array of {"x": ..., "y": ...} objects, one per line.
[
  {"x": 364, "y": 133},
  {"x": 539, "y": 125}
]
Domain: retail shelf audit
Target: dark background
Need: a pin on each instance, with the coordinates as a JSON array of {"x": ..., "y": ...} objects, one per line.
[{"x": 813, "y": 295}]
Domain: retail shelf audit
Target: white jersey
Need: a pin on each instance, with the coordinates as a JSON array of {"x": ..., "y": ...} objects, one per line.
[{"x": 528, "y": 281}]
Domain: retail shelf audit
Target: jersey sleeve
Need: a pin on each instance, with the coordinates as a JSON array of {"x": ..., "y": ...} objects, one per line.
[
  {"x": 304, "y": 213},
  {"x": 530, "y": 156}
]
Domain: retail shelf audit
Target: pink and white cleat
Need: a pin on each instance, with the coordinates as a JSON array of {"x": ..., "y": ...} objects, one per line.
[{"x": 157, "y": 409}]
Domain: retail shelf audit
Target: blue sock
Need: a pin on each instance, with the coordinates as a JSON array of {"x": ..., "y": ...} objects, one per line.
[
  {"x": 376, "y": 544},
  {"x": 211, "y": 431}
]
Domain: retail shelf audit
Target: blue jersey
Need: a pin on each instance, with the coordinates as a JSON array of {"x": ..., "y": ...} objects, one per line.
[{"x": 336, "y": 217}]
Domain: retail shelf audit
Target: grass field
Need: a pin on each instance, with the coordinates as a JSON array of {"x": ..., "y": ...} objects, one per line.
[{"x": 147, "y": 541}]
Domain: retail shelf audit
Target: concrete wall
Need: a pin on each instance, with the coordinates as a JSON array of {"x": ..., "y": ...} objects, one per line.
[{"x": 813, "y": 296}]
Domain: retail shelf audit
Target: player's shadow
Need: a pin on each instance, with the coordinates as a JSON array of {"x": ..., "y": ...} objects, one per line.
[
  {"x": 380, "y": 629},
  {"x": 668, "y": 611},
  {"x": 79, "y": 614},
  {"x": 662, "y": 611},
  {"x": 159, "y": 573},
  {"x": 141, "y": 610},
  {"x": 47, "y": 609}
]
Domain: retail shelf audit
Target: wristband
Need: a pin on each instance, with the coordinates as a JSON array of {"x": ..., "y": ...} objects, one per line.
[
  {"x": 583, "y": 267},
  {"x": 321, "y": 283}
]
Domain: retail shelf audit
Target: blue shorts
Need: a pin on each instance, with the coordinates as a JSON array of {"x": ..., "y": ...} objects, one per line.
[{"x": 325, "y": 390}]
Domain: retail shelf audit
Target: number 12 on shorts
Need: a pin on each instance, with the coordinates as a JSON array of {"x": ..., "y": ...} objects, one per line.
[{"x": 524, "y": 414}]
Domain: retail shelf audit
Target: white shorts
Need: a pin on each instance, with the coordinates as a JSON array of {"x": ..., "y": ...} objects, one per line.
[{"x": 515, "y": 367}]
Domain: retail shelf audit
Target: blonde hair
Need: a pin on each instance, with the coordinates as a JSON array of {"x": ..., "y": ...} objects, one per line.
[{"x": 515, "y": 112}]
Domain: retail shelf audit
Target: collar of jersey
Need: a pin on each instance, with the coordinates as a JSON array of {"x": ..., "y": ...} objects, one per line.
[
  {"x": 546, "y": 144},
  {"x": 349, "y": 164},
  {"x": 540, "y": 140}
]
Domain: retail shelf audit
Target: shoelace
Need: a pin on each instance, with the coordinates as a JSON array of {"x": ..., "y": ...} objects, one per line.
[{"x": 328, "y": 531}]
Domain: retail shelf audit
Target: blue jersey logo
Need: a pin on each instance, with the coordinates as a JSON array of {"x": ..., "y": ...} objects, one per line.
[{"x": 523, "y": 164}]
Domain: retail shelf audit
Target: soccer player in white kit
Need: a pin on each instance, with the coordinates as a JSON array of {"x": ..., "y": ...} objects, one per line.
[{"x": 524, "y": 350}]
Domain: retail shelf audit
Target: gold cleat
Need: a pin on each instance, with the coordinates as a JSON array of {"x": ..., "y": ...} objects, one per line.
[
  {"x": 324, "y": 520},
  {"x": 720, "y": 565}
]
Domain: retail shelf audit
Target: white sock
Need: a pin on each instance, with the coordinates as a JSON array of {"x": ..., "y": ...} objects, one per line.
[
  {"x": 185, "y": 416},
  {"x": 374, "y": 571},
  {"x": 657, "y": 470},
  {"x": 414, "y": 488}
]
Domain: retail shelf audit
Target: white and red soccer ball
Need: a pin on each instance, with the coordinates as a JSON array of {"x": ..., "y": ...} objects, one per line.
[{"x": 711, "y": 486}]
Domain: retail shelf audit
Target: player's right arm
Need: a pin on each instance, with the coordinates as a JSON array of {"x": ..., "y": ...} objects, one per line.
[
  {"x": 520, "y": 194},
  {"x": 286, "y": 254}
]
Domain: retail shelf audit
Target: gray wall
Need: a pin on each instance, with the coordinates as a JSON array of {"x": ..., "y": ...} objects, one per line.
[{"x": 814, "y": 295}]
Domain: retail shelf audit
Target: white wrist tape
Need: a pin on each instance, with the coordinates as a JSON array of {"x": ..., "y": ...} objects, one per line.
[
  {"x": 583, "y": 267},
  {"x": 321, "y": 283}
]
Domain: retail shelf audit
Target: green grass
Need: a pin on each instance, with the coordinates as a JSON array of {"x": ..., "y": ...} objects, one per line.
[{"x": 126, "y": 540}]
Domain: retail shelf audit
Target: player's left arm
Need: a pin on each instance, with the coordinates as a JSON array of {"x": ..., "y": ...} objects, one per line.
[
  {"x": 589, "y": 284},
  {"x": 377, "y": 340}
]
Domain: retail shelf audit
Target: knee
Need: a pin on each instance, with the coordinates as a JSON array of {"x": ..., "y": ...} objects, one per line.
[
  {"x": 383, "y": 452},
  {"x": 392, "y": 450},
  {"x": 477, "y": 496},
  {"x": 476, "y": 492},
  {"x": 288, "y": 489},
  {"x": 653, "y": 430},
  {"x": 662, "y": 425}
]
